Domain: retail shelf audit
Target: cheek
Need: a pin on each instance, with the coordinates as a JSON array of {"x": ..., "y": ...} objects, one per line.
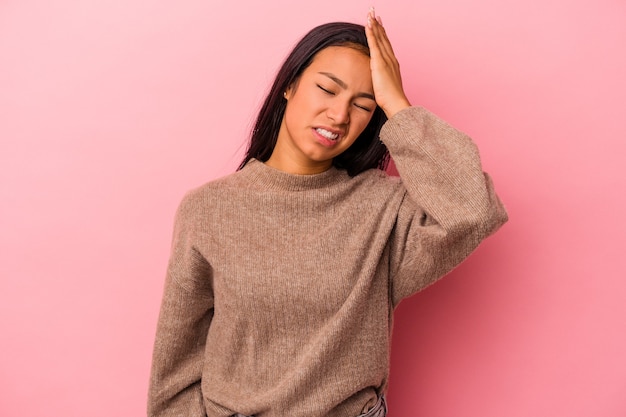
[
  {"x": 294, "y": 112},
  {"x": 358, "y": 125},
  {"x": 360, "y": 121}
]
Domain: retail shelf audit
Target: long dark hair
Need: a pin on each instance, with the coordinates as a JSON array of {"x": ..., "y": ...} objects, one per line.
[{"x": 367, "y": 151}]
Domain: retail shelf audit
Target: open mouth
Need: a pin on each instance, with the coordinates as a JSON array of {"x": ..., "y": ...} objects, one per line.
[{"x": 327, "y": 134}]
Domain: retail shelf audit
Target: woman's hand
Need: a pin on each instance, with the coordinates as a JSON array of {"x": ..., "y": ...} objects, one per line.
[{"x": 386, "y": 78}]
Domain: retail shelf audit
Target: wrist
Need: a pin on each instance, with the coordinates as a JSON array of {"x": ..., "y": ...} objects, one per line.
[{"x": 392, "y": 109}]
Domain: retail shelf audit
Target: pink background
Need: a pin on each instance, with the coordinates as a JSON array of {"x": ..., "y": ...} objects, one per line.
[{"x": 111, "y": 110}]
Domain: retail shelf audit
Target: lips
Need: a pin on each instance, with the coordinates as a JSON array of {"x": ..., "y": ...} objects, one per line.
[
  {"x": 330, "y": 135},
  {"x": 327, "y": 136}
]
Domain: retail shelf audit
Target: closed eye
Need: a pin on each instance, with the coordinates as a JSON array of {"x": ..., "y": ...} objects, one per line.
[
  {"x": 367, "y": 109},
  {"x": 325, "y": 90},
  {"x": 363, "y": 107}
]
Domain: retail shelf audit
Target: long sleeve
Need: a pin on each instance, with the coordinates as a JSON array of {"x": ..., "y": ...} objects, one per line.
[
  {"x": 184, "y": 319},
  {"x": 450, "y": 205}
]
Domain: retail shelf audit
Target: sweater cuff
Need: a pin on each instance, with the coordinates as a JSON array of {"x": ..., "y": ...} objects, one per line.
[{"x": 411, "y": 116}]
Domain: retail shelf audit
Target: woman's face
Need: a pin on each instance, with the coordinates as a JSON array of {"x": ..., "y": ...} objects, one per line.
[{"x": 327, "y": 109}]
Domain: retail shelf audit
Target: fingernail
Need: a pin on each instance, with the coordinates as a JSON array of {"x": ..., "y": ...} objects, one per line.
[
  {"x": 372, "y": 11},
  {"x": 380, "y": 21},
  {"x": 369, "y": 22}
]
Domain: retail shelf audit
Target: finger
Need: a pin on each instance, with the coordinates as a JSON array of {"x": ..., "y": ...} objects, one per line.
[
  {"x": 373, "y": 39},
  {"x": 383, "y": 41},
  {"x": 381, "y": 51},
  {"x": 387, "y": 60},
  {"x": 372, "y": 12},
  {"x": 378, "y": 41}
]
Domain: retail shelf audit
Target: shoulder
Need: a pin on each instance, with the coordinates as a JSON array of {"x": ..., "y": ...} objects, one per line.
[
  {"x": 234, "y": 180},
  {"x": 377, "y": 178},
  {"x": 375, "y": 184},
  {"x": 201, "y": 198}
]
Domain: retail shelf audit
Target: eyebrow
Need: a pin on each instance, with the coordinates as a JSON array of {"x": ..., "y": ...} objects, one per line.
[{"x": 345, "y": 86}]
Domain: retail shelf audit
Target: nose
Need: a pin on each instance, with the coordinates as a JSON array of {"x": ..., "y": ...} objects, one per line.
[{"x": 339, "y": 111}]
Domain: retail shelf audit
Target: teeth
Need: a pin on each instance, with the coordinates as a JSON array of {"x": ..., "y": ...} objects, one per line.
[{"x": 327, "y": 134}]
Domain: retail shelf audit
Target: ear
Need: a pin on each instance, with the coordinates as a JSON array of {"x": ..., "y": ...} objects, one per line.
[
  {"x": 288, "y": 92},
  {"x": 291, "y": 90}
]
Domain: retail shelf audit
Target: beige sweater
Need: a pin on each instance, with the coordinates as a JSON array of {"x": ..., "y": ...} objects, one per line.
[{"x": 280, "y": 289}]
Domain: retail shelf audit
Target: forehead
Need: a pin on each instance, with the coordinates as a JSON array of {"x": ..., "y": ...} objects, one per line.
[{"x": 341, "y": 60}]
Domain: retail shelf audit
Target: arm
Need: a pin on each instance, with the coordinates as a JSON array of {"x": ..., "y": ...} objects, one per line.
[
  {"x": 450, "y": 205},
  {"x": 184, "y": 319}
]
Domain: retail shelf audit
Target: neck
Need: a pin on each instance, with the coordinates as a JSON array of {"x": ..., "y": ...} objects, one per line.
[{"x": 291, "y": 166}]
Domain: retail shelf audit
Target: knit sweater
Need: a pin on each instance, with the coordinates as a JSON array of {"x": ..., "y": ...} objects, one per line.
[{"x": 280, "y": 289}]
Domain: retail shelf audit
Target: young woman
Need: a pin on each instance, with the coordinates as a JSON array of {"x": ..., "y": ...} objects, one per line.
[{"x": 283, "y": 276}]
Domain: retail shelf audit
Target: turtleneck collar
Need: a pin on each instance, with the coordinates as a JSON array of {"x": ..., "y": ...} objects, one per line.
[{"x": 271, "y": 178}]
